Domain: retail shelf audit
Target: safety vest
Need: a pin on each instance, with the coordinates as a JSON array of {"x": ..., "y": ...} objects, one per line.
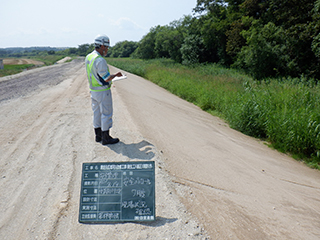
[{"x": 94, "y": 85}]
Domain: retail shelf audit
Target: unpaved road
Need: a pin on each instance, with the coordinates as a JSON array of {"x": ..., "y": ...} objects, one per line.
[
  {"x": 25, "y": 82},
  {"x": 211, "y": 181}
]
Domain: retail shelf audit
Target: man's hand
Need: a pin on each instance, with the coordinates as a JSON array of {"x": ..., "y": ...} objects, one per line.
[{"x": 119, "y": 74}]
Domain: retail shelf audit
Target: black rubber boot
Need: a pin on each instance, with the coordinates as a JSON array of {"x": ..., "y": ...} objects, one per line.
[
  {"x": 107, "y": 139},
  {"x": 98, "y": 134}
]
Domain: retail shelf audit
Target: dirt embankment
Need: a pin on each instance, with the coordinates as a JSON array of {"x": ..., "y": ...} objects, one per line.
[
  {"x": 19, "y": 61},
  {"x": 63, "y": 60},
  {"x": 210, "y": 180}
]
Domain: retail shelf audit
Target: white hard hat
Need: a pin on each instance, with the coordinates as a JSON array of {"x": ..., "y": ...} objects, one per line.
[{"x": 102, "y": 40}]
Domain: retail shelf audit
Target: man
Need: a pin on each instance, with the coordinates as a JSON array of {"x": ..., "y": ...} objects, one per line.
[{"x": 100, "y": 81}]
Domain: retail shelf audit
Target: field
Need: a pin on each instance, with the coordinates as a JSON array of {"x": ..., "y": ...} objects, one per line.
[
  {"x": 283, "y": 112},
  {"x": 17, "y": 65}
]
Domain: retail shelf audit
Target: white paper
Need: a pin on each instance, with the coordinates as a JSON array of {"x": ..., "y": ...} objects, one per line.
[{"x": 119, "y": 78}]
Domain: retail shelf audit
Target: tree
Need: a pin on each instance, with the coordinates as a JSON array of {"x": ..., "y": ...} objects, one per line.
[
  {"x": 72, "y": 50},
  {"x": 146, "y": 48},
  {"x": 266, "y": 53},
  {"x": 162, "y": 42},
  {"x": 85, "y": 49},
  {"x": 168, "y": 41},
  {"x": 192, "y": 50},
  {"x": 235, "y": 40},
  {"x": 123, "y": 49}
]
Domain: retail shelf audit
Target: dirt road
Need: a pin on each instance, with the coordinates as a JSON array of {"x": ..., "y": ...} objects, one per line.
[
  {"x": 16, "y": 61},
  {"x": 211, "y": 181}
]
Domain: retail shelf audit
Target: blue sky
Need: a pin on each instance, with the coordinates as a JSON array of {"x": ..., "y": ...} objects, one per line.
[{"x": 69, "y": 23}]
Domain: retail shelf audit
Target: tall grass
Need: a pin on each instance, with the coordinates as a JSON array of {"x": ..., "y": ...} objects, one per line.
[{"x": 284, "y": 112}]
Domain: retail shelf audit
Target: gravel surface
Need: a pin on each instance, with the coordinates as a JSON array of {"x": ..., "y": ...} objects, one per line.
[{"x": 26, "y": 82}]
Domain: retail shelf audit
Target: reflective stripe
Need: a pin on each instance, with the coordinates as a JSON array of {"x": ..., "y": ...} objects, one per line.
[
  {"x": 95, "y": 86},
  {"x": 106, "y": 75}
]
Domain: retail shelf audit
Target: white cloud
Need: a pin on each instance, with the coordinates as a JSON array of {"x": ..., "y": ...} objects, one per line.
[{"x": 126, "y": 24}]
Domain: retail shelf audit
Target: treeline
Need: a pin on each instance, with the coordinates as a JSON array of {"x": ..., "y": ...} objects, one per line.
[
  {"x": 29, "y": 51},
  {"x": 275, "y": 38},
  {"x": 267, "y": 39},
  {"x": 121, "y": 49}
]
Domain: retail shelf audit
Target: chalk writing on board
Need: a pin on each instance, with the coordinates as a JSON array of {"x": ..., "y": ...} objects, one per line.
[
  {"x": 130, "y": 181},
  {"x": 132, "y": 204},
  {"x": 108, "y": 191},
  {"x": 138, "y": 193},
  {"x": 143, "y": 212},
  {"x": 108, "y": 175}
]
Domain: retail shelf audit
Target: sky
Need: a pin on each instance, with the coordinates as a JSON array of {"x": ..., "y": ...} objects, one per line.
[{"x": 70, "y": 23}]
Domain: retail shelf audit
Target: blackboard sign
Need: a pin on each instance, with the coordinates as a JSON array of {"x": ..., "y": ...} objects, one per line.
[{"x": 117, "y": 191}]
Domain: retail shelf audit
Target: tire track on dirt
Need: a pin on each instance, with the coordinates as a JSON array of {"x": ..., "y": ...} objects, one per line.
[{"x": 38, "y": 135}]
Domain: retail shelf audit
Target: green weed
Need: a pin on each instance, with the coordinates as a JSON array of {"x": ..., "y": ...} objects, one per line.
[{"x": 14, "y": 69}]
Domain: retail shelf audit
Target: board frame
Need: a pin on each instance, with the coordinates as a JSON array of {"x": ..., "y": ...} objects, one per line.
[{"x": 117, "y": 192}]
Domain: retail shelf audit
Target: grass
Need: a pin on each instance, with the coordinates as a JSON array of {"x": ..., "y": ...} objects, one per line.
[
  {"x": 14, "y": 69},
  {"x": 284, "y": 112}
]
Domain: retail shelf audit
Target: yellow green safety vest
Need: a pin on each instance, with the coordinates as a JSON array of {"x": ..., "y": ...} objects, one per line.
[{"x": 94, "y": 85}]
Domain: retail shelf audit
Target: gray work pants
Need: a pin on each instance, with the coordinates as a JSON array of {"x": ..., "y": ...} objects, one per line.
[{"x": 102, "y": 109}]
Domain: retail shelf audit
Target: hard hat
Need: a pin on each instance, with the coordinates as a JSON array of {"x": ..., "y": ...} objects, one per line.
[{"x": 102, "y": 40}]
